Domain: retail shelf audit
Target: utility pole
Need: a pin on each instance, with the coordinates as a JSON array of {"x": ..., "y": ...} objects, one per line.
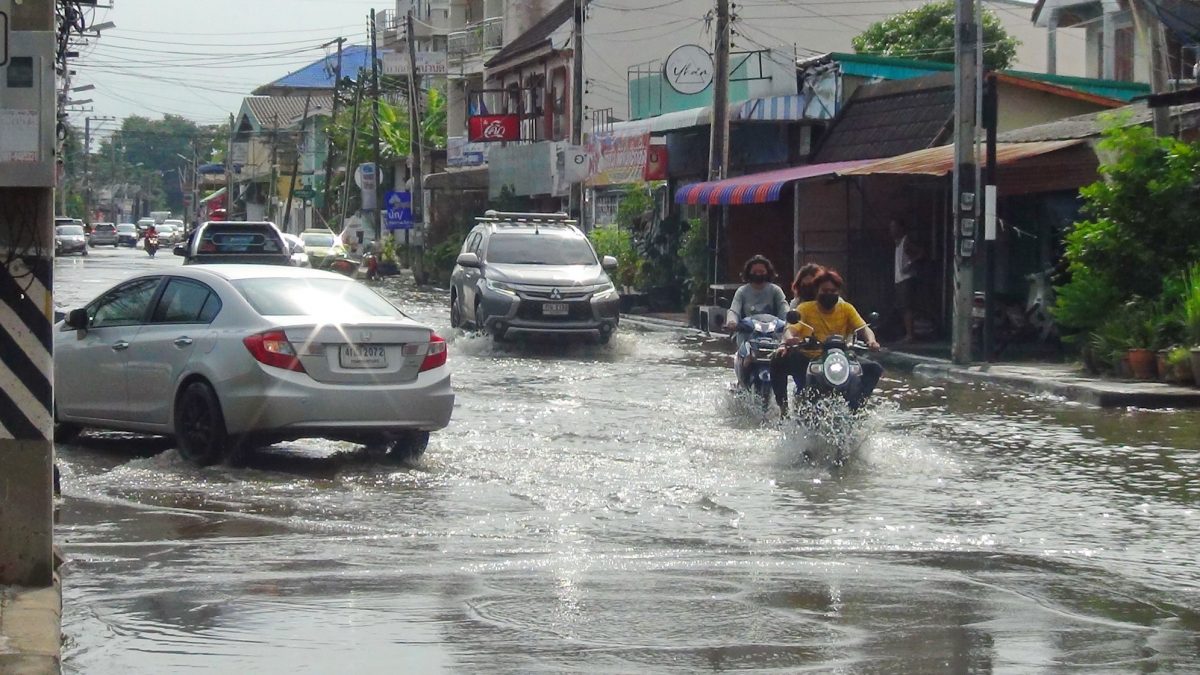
[
  {"x": 358, "y": 92},
  {"x": 577, "y": 105},
  {"x": 337, "y": 82},
  {"x": 417, "y": 193},
  {"x": 965, "y": 202},
  {"x": 287, "y": 210},
  {"x": 1150, "y": 29},
  {"x": 990, "y": 121},
  {"x": 376, "y": 225},
  {"x": 718, "y": 150},
  {"x": 229, "y": 171},
  {"x": 87, "y": 172},
  {"x": 271, "y": 212},
  {"x": 195, "y": 203}
]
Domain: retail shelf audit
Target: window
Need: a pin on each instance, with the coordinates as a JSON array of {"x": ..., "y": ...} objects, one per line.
[
  {"x": 540, "y": 249},
  {"x": 324, "y": 298},
  {"x": 185, "y": 301},
  {"x": 125, "y": 305}
]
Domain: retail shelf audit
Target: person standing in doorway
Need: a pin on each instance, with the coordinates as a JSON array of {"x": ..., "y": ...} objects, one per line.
[{"x": 908, "y": 254}]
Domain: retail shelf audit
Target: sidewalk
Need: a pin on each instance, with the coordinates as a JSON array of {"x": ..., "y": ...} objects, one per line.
[
  {"x": 1064, "y": 380},
  {"x": 30, "y": 630}
]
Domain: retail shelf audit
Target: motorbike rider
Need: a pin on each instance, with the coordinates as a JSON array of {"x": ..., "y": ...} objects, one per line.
[
  {"x": 802, "y": 285},
  {"x": 150, "y": 232},
  {"x": 822, "y": 318},
  {"x": 757, "y": 296}
]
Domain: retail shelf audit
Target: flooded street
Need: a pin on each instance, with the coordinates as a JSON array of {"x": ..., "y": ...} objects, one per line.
[{"x": 615, "y": 509}]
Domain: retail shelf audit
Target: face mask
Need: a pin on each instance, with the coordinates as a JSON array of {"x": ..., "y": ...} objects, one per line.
[
  {"x": 758, "y": 278},
  {"x": 828, "y": 300}
]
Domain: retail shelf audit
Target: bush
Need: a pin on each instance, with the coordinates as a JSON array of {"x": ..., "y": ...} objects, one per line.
[
  {"x": 618, "y": 244},
  {"x": 695, "y": 256},
  {"x": 439, "y": 260},
  {"x": 1190, "y": 305}
]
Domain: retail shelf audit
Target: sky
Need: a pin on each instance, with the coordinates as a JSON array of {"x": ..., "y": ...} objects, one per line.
[{"x": 200, "y": 59}]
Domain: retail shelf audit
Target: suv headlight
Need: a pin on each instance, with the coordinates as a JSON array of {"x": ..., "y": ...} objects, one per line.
[
  {"x": 604, "y": 291},
  {"x": 500, "y": 287}
]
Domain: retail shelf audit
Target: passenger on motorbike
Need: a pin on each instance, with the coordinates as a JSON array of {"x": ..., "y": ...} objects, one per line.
[
  {"x": 757, "y": 296},
  {"x": 803, "y": 286},
  {"x": 827, "y": 316}
]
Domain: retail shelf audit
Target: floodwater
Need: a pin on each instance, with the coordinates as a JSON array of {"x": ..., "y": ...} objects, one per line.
[{"x": 614, "y": 509}]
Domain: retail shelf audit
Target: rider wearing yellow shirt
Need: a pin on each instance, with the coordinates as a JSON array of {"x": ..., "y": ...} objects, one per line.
[{"x": 823, "y": 318}]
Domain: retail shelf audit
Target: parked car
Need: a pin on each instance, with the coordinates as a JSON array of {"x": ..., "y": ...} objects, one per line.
[
  {"x": 322, "y": 246},
  {"x": 144, "y": 223},
  {"x": 69, "y": 239},
  {"x": 531, "y": 273},
  {"x": 103, "y": 234},
  {"x": 235, "y": 242},
  {"x": 128, "y": 235},
  {"x": 168, "y": 234},
  {"x": 226, "y": 358}
]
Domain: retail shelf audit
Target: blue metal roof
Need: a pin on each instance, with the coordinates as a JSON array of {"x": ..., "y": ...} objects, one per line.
[{"x": 320, "y": 74}]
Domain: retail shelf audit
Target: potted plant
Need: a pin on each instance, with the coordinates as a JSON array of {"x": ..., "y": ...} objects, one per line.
[
  {"x": 1144, "y": 324},
  {"x": 1179, "y": 361},
  {"x": 1191, "y": 317},
  {"x": 387, "y": 257}
]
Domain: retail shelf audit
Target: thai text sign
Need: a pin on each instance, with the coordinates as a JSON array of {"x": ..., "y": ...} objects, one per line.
[
  {"x": 493, "y": 128},
  {"x": 617, "y": 160}
]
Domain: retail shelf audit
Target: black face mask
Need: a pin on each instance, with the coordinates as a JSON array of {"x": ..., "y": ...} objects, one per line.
[
  {"x": 759, "y": 278},
  {"x": 828, "y": 300}
]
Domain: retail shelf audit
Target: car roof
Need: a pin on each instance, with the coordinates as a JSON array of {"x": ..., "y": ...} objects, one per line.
[
  {"x": 541, "y": 230},
  {"x": 235, "y": 272}
]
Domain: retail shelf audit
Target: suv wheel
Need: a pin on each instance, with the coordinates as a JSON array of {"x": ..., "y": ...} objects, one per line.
[{"x": 455, "y": 311}]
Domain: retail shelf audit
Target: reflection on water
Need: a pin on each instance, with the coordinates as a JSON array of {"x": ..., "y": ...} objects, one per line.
[{"x": 616, "y": 508}]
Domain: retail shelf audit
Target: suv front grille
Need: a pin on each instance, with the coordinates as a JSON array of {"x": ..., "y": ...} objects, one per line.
[
  {"x": 547, "y": 293},
  {"x": 576, "y": 311}
]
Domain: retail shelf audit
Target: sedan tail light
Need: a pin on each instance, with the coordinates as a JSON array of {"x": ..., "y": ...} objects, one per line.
[
  {"x": 436, "y": 356},
  {"x": 273, "y": 349}
]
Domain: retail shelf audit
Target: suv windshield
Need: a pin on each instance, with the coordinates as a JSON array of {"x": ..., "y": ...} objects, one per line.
[
  {"x": 539, "y": 249},
  {"x": 317, "y": 239},
  {"x": 126, "y": 228}
]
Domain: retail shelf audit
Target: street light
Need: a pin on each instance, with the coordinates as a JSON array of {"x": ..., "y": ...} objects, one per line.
[
  {"x": 103, "y": 26},
  {"x": 84, "y": 87}
]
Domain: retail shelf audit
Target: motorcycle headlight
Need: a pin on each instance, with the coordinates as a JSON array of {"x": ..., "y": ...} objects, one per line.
[
  {"x": 500, "y": 287},
  {"x": 837, "y": 368}
]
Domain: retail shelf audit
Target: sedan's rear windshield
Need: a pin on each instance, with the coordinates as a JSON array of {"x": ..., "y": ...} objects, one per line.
[
  {"x": 69, "y": 229},
  {"x": 319, "y": 298},
  {"x": 539, "y": 249},
  {"x": 126, "y": 228},
  {"x": 317, "y": 240}
]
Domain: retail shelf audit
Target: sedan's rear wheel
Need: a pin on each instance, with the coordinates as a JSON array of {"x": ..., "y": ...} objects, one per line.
[{"x": 199, "y": 425}]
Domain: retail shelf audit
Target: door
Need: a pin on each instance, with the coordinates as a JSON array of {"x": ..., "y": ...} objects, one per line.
[
  {"x": 178, "y": 325},
  {"x": 472, "y": 275},
  {"x": 89, "y": 365}
]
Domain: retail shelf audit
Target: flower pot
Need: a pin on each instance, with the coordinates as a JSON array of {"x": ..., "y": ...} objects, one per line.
[
  {"x": 1196, "y": 365},
  {"x": 1142, "y": 364},
  {"x": 1165, "y": 372}
]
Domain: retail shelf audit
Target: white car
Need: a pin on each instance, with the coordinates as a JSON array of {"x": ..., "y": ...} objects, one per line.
[{"x": 229, "y": 357}]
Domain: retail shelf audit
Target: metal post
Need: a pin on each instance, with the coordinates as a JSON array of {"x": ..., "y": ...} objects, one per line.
[
  {"x": 376, "y": 225},
  {"x": 964, "y": 204},
  {"x": 229, "y": 171},
  {"x": 287, "y": 211},
  {"x": 577, "y": 104}
]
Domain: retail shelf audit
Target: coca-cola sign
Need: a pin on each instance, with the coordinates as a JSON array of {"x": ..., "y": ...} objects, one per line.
[{"x": 493, "y": 128}]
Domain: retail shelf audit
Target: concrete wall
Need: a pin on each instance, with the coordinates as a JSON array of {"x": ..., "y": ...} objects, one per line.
[{"x": 1020, "y": 107}]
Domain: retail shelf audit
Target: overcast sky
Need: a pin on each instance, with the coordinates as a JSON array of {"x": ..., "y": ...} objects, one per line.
[{"x": 199, "y": 59}]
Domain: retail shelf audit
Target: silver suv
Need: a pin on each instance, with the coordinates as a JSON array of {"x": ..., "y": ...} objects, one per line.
[{"x": 533, "y": 273}]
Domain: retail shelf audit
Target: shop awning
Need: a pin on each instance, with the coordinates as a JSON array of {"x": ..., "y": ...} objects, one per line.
[
  {"x": 939, "y": 161},
  {"x": 757, "y": 188}
]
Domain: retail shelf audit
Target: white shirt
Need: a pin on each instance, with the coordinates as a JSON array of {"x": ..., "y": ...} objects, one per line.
[{"x": 904, "y": 261}]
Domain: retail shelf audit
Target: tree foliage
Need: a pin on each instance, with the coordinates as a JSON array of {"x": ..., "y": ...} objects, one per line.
[{"x": 927, "y": 33}]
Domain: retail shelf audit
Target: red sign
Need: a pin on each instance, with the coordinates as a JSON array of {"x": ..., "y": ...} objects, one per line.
[
  {"x": 493, "y": 128},
  {"x": 656, "y": 162}
]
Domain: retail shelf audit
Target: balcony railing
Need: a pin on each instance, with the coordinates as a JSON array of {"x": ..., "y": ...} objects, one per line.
[{"x": 477, "y": 39}]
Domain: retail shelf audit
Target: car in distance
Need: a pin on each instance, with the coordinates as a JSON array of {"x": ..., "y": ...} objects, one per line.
[
  {"x": 322, "y": 247},
  {"x": 532, "y": 273},
  {"x": 296, "y": 250},
  {"x": 70, "y": 238},
  {"x": 168, "y": 234},
  {"x": 103, "y": 234},
  {"x": 128, "y": 235},
  {"x": 177, "y": 228},
  {"x": 226, "y": 358},
  {"x": 221, "y": 241}
]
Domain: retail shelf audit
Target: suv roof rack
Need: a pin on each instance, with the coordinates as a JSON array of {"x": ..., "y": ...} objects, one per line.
[{"x": 522, "y": 218}]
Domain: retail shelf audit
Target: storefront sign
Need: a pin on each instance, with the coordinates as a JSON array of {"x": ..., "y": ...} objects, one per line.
[
  {"x": 428, "y": 63},
  {"x": 689, "y": 69},
  {"x": 493, "y": 128},
  {"x": 656, "y": 162},
  {"x": 617, "y": 160}
]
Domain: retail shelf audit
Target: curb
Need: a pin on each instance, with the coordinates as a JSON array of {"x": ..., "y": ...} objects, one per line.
[
  {"x": 31, "y": 630},
  {"x": 652, "y": 323}
]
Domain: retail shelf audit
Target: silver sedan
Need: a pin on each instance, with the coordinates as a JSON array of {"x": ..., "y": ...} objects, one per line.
[{"x": 229, "y": 357}]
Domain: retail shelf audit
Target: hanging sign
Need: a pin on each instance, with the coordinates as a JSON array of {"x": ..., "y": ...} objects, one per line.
[
  {"x": 493, "y": 128},
  {"x": 689, "y": 69}
]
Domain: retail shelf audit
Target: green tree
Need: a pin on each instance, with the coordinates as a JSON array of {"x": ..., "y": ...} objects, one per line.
[{"x": 927, "y": 32}]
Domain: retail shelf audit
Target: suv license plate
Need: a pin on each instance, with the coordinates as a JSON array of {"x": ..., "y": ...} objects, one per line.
[
  {"x": 359, "y": 356},
  {"x": 555, "y": 309}
]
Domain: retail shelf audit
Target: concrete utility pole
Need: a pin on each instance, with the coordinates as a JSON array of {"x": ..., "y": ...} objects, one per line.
[
  {"x": 414, "y": 141},
  {"x": 229, "y": 171},
  {"x": 376, "y": 225},
  {"x": 287, "y": 210},
  {"x": 1151, "y": 30},
  {"x": 87, "y": 170},
  {"x": 577, "y": 103},
  {"x": 718, "y": 150},
  {"x": 358, "y": 93},
  {"x": 337, "y": 81},
  {"x": 965, "y": 204},
  {"x": 28, "y": 116}
]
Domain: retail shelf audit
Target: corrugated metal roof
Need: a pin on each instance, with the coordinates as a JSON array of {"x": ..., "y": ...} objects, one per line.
[
  {"x": 890, "y": 118},
  {"x": 755, "y": 188},
  {"x": 281, "y": 112},
  {"x": 320, "y": 74},
  {"x": 939, "y": 161},
  {"x": 1092, "y": 124}
]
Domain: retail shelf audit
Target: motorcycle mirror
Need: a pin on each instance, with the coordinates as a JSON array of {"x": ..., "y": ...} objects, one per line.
[
  {"x": 872, "y": 318},
  {"x": 793, "y": 316}
]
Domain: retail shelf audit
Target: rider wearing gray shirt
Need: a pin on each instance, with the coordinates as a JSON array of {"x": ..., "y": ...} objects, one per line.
[{"x": 758, "y": 295}]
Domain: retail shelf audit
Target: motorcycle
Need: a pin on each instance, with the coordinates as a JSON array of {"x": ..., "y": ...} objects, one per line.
[
  {"x": 837, "y": 372},
  {"x": 1014, "y": 322},
  {"x": 760, "y": 338},
  {"x": 152, "y": 245}
]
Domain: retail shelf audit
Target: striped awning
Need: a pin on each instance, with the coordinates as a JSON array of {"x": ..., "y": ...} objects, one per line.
[{"x": 757, "y": 188}]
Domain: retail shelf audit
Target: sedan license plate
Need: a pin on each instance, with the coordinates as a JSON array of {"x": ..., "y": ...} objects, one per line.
[
  {"x": 362, "y": 356},
  {"x": 555, "y": 309}
]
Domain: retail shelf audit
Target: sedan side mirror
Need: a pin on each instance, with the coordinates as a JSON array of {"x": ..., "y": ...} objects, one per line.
[
  {"x": 180, "y": 249},
  {"x": 608, "y": 262},
  {"x": 468, "y": 260},
  {"x": 77, "y": 319}
]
